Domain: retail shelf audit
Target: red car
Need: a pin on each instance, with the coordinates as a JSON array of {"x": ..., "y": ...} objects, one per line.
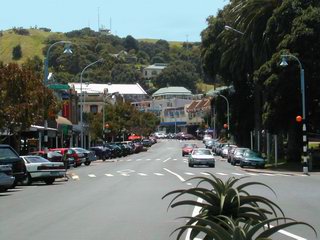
[
  {"x": 51, "y": 156},
  {"x": 188, "y": 148},
  {"x": 72, "y": 155}
]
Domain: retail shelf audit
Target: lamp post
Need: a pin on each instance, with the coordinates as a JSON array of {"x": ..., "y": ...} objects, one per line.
[
  {"x": 82, "y": 102},
  {"x": 284, "y": 63},
  {"x": 105, "y": 96},
  {"x": 67, "y": 50},
  {"x": 228, "y": 112}
]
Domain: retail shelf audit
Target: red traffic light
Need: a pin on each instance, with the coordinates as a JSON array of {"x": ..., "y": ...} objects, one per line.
[
  {"x": 298, "y": 118},
  {"x": 225, "y": 126},
  {"x": 106, "y": 125}
]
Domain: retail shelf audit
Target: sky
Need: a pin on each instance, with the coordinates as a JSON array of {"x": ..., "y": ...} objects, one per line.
[{"x": 171, "y": 20}]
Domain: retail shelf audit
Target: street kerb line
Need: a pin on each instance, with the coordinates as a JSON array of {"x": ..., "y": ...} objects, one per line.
[{"x": 175, "y": 174}]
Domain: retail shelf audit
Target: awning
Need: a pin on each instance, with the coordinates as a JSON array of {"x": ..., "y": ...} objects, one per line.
[{"x": 63, "y": 121}]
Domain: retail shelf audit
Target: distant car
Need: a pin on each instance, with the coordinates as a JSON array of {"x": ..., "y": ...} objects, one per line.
[
  {"x": 251, "y": 158},
  {"x": 188, "y": 148},
  {"x": 146, "y": 142},
  {"x": 71, "y": 160},
  {"x": 6, "y": 178},
  {"x": 206, "y": 137},
  {"x": 209, "y": 143},
  {"x": 102, "y": 152},
  {"x": 201, "y": 156},
  {"x": 8, "y": 156},
  {"x": 41, "y": 169},
  {"x": 84, "y": 155},
  {"x": 235, "y": 158}
]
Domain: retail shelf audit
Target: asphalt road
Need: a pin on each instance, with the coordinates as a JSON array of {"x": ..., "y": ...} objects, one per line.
[{"x": 121, "y": 199}]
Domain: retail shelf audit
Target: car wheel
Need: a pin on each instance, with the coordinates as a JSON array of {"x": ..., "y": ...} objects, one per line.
[
  {"x": 212, "y": 165},
  {"x": 241, "y": 165},
  {"x": 28, "y": 180},
  {"x": 49, "y": 181},
  {"x": 233, "y": 163},
  {"x": 104, "y": 157},
  {"x": 190, "y": 165},
  {"x": 3, "y": 189},
  {"x": 87, "y": 163}
]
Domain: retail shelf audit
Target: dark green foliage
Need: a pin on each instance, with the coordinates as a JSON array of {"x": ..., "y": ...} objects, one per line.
[
  {"x": 21, "y": 31},
  {"x": 230, "y": 212},
  {"x": 16, "y": 52},
  {"x": 130, "y": 43}
]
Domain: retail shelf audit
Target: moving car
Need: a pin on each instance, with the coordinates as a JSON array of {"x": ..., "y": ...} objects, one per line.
[
  {"x": 41, "y": 169},
  {"x": 8, "y": 156},
  {"x": 188, "y": 148},
  {"x": 6, "y": 178},
  {"x": 201, "y": 156},
  {"x": 251, "y": 158}
]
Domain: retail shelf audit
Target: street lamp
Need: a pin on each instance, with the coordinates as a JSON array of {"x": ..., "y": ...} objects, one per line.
[
  {"x": 82, "y": 102},
  {"x": 284, "y": 63},
  {"x": 67, "y": 50},
  {"x": 226, "y": 27}
]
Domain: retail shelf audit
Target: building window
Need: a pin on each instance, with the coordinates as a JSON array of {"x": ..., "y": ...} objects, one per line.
[{"x": 94, "y": 108}]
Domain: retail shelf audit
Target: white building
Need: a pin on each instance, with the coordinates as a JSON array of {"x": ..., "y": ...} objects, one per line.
[{"x": 153, "y": 70}]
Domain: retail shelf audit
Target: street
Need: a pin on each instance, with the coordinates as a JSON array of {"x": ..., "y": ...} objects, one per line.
[{"x": 121, "y": 199}]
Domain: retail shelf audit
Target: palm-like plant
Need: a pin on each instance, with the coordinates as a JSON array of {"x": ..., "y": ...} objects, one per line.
[
  {"x": 225, "y": 228},
  {"x": 224, "y": 198}
]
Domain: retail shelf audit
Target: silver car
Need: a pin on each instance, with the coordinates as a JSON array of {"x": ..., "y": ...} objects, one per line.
[{"x": 201, "y": 156}]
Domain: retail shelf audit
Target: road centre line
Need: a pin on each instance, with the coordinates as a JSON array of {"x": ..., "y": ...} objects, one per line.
[
  {"x": 108, "y": 175},
  {"x": 166, "y": 160},
  {"x": 175, "y": 174},
  {"x": 159, "y": 174},
  {"x": 142, "y": 174},
  {"x": 92, "y": 175},
  {"x": 222, "y": 174},
  {"x": 237, "y": 174}
]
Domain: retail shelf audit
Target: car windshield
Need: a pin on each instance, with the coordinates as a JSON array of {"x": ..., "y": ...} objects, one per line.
[
  {"x": 202, "y": 152},
  {"x": 251, "y": 154},
  {"x": 35, "y": 159},
  {"x": 6, "y": 153}
]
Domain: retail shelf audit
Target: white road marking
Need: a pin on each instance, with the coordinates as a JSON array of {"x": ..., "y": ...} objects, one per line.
[
  {"x": 290, "y": 234},
  {"x": 129, "y": 160},
  {"x": 175, "y": 174},
  {"x": 158, "y": 159},
  {"x": 174, "y": 159},
  {"x": 222, "y": 174},
  {"x": 189, "y": 184},
  {"x": 237, "y": 174},
  {"x": 92, "y": 175},
  {"x": 138, "y": 160},
  {"x": 167, "y": 160},
  {"x": 75, "y": 177},
  {"x": 148, "y": 159},
  {"x": 109, "y": 175},
  {"x": 195, "y": 212},
  {"x": 252, "y": 174},
  {"x": 189, "y": 173},
  {"x": 125, "y": 174},
  {"x": 142, "y": 174},
  {"x": 267, "y": 174},
  {"x": 204, "y": 173},
  {"x": 159, "y": 174}
]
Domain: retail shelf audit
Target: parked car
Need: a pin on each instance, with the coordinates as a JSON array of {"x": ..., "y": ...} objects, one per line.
[
  {"x": 231, "y": 152},
  {"x": 188, "y": 148},
  {"x": 116, "y": 151},
  {"x": 84, "y": 155},
  {"x": 235, "y": 159},
  {"x": 206, "y": 137},
  {"x": 6, "y": 178},
  {"x": 41, "y": 169},
  {"x": 8, "y": 156},
  {"x": 251, "y": 158},
  {"x": 70, "y": 157},
  {"x": 225, "y": 150},
  {"x": 52, "y": 156},
  {"x": 209, "y": 143},
  {"x": 146, "y": 142},
  {"x": 102, "y": 152},
  {"x": 201, "y": 156}
]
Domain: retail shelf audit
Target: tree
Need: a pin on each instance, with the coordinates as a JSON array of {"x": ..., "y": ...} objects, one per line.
[
  {"x": 130, "y": 43},
  {"x": 125, "y": 73},
  {"x": 178, "y": 74},
  {"x": 24, "y": 100},
  {"x": 16, "y": 52}
]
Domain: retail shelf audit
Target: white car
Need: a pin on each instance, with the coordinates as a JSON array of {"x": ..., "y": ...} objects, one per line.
[
  {"x": 201, "y": 156},
  {"x": 40, "y": 169}
]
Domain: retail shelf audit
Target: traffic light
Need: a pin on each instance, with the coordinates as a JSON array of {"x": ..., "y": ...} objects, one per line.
[
  {"x": 225, "y": 126},
  {"x": 106, "y": 125}
]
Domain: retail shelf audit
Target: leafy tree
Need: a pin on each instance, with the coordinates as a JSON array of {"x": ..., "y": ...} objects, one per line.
[
  {"x": 124, "y": 73},
  {"x": 16, "y": 52},
  {"x": 35, "y": 64},
  {"x": 178, "y": 74},
  {"x": 130, "y": 43},
  {"x": 24, "y": 100}
]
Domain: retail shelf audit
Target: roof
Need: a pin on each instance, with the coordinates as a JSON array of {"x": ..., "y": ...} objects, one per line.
[
  {"x": 172, "y": 91},
  {"x": 159, "y": 66},
  {"x": 199, "y": 105},
  {"x": 125, "y": 89}
]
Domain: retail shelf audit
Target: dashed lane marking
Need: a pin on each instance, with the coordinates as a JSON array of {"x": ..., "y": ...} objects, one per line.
[
  {"x": 109, "y": 175},
  {"x": 92, "y": 175},
  {"x": 142, "y": 174},
  {"x": 204, "y": 173},
  {"x": 237, "y": 174},
  {"x": 159, "y": 174},
  {"x": 189, "y": 173},
  {"x": 166, "y": 160},
  {"x": 222, "y": 174}
]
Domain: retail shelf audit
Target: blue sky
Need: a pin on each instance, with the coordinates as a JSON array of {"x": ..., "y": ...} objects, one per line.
[{"x": 170, "y": 20}]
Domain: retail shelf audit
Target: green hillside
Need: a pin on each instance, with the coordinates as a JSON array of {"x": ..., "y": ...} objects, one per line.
[{"x": 31, "y": 45}]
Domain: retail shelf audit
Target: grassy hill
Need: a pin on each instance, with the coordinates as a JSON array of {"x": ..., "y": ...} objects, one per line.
[{"x": 31, "y": 45}]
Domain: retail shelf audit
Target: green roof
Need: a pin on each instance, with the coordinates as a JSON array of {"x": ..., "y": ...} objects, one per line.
[{"x": 172, "y": 91}]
